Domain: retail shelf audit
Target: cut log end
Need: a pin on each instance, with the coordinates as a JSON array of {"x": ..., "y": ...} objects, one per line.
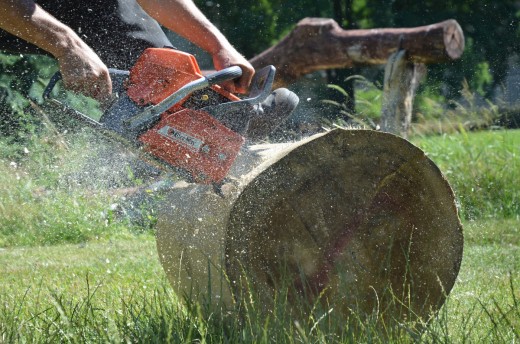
[
  {"x": 351, "y": 215},
  {"x": 453, "y": 39},
  {"x": 354, "y": 219}
]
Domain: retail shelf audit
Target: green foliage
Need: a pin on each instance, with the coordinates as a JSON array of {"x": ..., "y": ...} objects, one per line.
[
  {"x": 255, "y": 25},
  {"x": 21, "y": 78},
  {"x": 490, "y": 42},
  {"x": 482, "y": 78},
  {"x": 368, "y": 103}
]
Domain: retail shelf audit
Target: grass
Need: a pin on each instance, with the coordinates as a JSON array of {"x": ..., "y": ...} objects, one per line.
[
  {"x": 72, "y": 272},
  {"x": 32, "y": 214},
  {"x": 56, "y": 189},
  {"x": 483, "y": 168},
  {"x": 116, "y": 291}
]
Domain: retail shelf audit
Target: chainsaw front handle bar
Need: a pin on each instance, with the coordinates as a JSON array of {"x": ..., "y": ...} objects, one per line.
[
  {"x": 226, "y": 74},
  {"x": 153, "y": 113},
  {"x": 50, "y": 86},
  {"x": 114, "y": 73},
  {"x": 230, "y": 73}
]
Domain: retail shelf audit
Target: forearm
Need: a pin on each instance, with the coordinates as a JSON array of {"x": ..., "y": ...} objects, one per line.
[
  {"x": 184, "y": 18},
  {"x": 81, "y": 68},
  {"x": 31, "y": 23}
]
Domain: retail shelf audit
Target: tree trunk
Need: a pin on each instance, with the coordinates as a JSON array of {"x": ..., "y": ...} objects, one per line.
[{"x": 319, "y": 43}]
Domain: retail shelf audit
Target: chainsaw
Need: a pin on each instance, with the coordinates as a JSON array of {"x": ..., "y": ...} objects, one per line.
[{"x": 165, "y": 107}]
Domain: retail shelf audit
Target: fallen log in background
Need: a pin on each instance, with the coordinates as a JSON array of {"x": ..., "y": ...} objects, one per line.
[
  {"x": 320, "y": 43},
  {"x": 358, "y": 218}
]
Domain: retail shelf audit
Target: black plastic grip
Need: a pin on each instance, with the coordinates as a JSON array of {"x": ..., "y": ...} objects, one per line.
[
  {"x": 118, "y": 77},
  {"x": 226, "y": 74},
  {"x": 52, "y": 82}
]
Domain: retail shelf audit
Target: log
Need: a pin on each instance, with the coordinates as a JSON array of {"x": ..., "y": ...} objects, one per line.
[
  {"x": 356, "y": 219},
  {"x": 320, "y": 43}
]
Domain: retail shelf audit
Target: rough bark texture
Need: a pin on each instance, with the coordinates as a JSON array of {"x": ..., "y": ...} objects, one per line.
[{"x": 319, "y": 43}]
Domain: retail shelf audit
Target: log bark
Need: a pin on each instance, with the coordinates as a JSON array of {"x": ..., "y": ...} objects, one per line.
[{"x": 320, "y": 43}]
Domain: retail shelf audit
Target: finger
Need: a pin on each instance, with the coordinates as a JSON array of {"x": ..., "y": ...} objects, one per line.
[
  {"x": 239, "y": 88},
  {"x": 229, "y": 86},
  {"x": 243, "y": 83},
  {"x": 101, "y": 89}
]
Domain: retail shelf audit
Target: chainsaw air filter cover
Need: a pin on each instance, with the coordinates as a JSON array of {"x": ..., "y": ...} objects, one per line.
[{"x": 195, "y": 142}]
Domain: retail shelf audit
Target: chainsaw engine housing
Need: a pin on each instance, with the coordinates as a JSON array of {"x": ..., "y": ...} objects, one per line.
[{"x": 187, "y": 138}]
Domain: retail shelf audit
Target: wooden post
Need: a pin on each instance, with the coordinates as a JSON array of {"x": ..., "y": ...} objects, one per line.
[{"x": 402, "y": 78}]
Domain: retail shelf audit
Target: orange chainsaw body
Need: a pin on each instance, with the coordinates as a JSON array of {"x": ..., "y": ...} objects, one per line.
[{"x": 190, "y": 139}]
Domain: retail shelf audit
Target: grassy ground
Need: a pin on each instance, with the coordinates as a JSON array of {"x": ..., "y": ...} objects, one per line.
[
  {"x": 116, "y": 291},
  {"x": 483, "y": 169},
  {"x": 71, "y": 272}
]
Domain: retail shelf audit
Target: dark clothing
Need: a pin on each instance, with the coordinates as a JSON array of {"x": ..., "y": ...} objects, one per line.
[{"x": 117, "y": 30}]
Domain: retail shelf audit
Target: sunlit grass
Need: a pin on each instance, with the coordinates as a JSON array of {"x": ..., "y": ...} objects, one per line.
[
  {"x": 483, "y": 168},
  {"x": 116, "y": 291},
  {"x": 33, "y": 214},
  {"x": 34, "y": 210},
  {"x": 99, "y": 281},
  {"x": 54, "y": 188}
]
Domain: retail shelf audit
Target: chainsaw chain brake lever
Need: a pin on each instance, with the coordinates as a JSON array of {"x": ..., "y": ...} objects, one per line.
[
  {"x": 118, "y": 78},
  {"x": 61, "y": 107}
]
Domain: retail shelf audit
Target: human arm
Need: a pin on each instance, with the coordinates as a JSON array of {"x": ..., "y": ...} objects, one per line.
[
  {"x": 184, "y": 18},
  {"x": 81, "y": 68}
]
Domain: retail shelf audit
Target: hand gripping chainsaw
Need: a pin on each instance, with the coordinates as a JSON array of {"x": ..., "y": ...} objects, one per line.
[{"x": 165, "y": 107}]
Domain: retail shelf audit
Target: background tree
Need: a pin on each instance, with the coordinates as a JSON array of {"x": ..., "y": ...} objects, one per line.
[{"x": 490, "y": 27}]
